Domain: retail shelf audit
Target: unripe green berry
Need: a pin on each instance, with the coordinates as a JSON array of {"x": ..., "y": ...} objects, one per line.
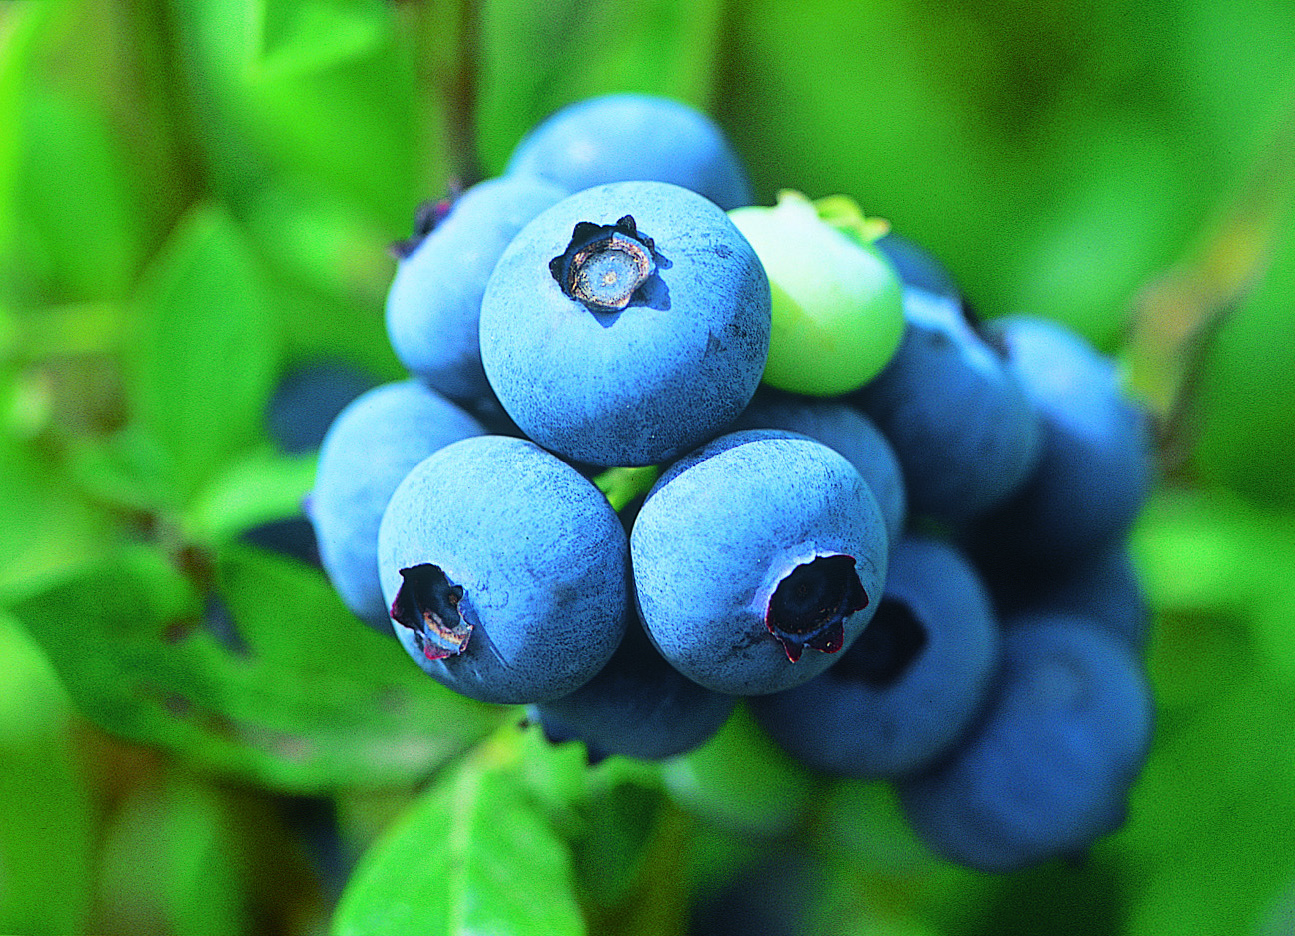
[{"x": 837, "y": 302}]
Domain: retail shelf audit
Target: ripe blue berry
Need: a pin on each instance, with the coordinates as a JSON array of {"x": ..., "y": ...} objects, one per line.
[
  {"x": 918, "y": 267},
  {"x": 1096, "y": 464},
  {"x": 906, "y": 691},
  {"x": 293, "y": 537},
  {"x": 756, "y": 559},
  {"x": 434, "y": 302},
  {"x": 1048, "y": 768},
  {"x": 963, "y": 428},
  {"x": 629, "y": 137},
  {"x": 638, "y": 706},
  {"x": 839, "y": 427},
  {"x": 626, "y": 324},
  {"x": 505, "y": 571},
  {"x": 1103, "y": 588},
  {"x": 307, "y": 401},
  {"x": 369, "y": 448}
]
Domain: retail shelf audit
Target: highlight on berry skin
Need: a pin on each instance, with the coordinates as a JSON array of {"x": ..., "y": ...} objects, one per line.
[
  {"x": 605, "y": 265},
  {"x": 810, "y": 606},
  {"x": 428, "y": 604}
]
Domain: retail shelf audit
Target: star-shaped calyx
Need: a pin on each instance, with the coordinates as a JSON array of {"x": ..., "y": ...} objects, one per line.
[
  {"x": 810, "y": 606},
  {"x": 428, "y": 604}
]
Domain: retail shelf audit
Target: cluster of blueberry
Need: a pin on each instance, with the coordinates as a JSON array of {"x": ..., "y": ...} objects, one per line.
[{"x": 920, "y": 575}]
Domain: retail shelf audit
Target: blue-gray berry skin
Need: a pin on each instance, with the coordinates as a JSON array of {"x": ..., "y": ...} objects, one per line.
[
  {"x": 626, "y": 325},
  {"x": 628, "y": 137},
  {"x": 308, "y": 399},
  {"x": 506, "y": 571},
  {"x": 1047, "y": 770},
  {"x": 1097, "y": 455},
  {"x": 435, "y": 298},
  {"x": 1104, "y": 588},
  {"x": 917, "y": 266},
  {"x": 844, "y": 429},
  {"x": 756, "y": 559},
  {"x": 637, "y": 706},
  {"x": 368, "y": 450},
  {"x": 962, "y": 426},
  {"x": 908, "y": 689},
  {"x": 293, "y": 537}
]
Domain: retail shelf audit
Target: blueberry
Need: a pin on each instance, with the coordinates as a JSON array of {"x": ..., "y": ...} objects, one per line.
[
  {"x": 435, "y": 298},
  {"x": 626, "y": 324},
  {"x": 369, "y": 448},
  {"x": 907, "y": 690},
  {"x": 629, "y": 137},
  {"x": 962, "y": 426},
  {"x": 289, "y": 536},
  {"x": 638, "y": 706},
  {"x": 308, "y": 399},
  {"x": 782, "y": 893},
  {"x": 918, "y": 267},
  {"x": 1047, "y": 770},
  {"x": 1104, "y": 588},
  {"x": 844, "y": 429},
  {"x": 756, "y": 559},
  {"x": 506, "y": 571},
  {"x": 1097, "y": 462}
]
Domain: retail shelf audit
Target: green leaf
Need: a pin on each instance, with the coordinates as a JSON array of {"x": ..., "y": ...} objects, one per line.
[
  {"x": 534, "y": 58},
  {"x": 1212, "y": 819},
  {"x": 325, "y": 244},
  {"x": 262, "y": 486},
  {"x": 334, "y": 271},
  {"x": 86, "y": 328},
  {"x": 1045, "y": 152},
  {"x": 127, "y": 470},
  {"x": 632, "y": 865},
  {"x": 474, "y": 854},
  {"x": 320, "y": 92},
  {"x": 629, "y": 844},
  {"x": 170, "y": 857},
  {"x": 620, "y": 821},
  {"x": 316, "y": 36},
  {"x": 862, "y": 820},
  {"x": 1217, "y": 570},
  {"x": 25, "y": 28},
  {"x": 741, "y": 780},
  {"x": 81, "y": 231},
  {"x": 863, "y": 838},
  {"x": 47, "y": 826},
  {"x": 1241, "y": 73},
  {"x": 205, "y": 358},
  {"x": 1119, "y": 220},
  {"x": 45, "y": 530},
  {"x": 556, "y": 777},
  {"x": 268, "y": 678},
  {"x": 847, "y": 101},
  {"x": 1246, "y": 410}
]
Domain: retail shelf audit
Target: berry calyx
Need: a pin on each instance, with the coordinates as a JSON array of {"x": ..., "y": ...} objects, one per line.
[
  {"x": 809, "y": 607},
  {"x": 605, "y": 264},
  {"x": 428, "y": 604}
]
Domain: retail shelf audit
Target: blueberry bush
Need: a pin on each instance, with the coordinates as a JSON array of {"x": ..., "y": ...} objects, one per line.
[{"x": 826, "y": 467}]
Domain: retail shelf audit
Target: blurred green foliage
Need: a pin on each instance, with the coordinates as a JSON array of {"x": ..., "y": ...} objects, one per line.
[{"x": 194, "y": 196}]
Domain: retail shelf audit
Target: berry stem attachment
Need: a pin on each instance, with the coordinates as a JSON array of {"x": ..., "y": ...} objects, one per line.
[
  {"x": 605, "y": 264},
  {"x": 428, "y": 604}
]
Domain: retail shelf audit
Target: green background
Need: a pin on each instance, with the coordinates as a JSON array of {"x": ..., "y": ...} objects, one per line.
[{"x": 197, "y": 196}]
